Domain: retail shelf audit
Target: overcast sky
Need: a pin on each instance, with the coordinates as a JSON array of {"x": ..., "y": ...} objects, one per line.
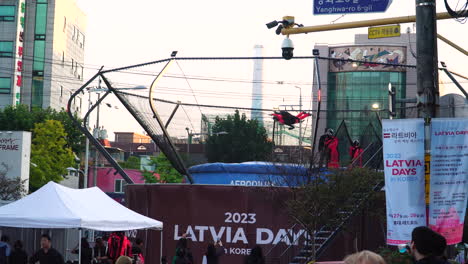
[{"x": 129, "y": 32}]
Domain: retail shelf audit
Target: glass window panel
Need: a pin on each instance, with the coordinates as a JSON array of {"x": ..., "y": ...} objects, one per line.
[
  {"x": 37, "y": 91},
  {"x": 7, "y": 10},
  {"x": 5, "y": 84},
  {"x": 6, "y": 48},
  {"x": 39, "y": 55},
  {"x": 41, "y": 19}
]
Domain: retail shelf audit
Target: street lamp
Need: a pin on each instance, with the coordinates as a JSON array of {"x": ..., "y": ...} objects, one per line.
[
  {"x": 96, "y": 133},
  {"x": 78, "y": 171},
  {"x": 376, "y": 108},
  {"x": 188, "y": 142}
]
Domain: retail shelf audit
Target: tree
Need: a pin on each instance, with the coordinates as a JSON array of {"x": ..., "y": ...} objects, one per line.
[
  {"x": 324, "y": 199},
  {"x": 131, "y": 163},
  {"x": 167, "y": 173},
  {"x": 49, "y": 153},
  {"x": 10, "y": 189},
  {"x": 21, "y": 118},
  {"x": 236, "y": 139}
]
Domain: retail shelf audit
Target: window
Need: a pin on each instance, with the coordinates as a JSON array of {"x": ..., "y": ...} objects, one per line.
[
  {"x": 6, "y": 49},
  {"x": 7, "y": 13},
  {"x": 119, "y": 186},
  {"x": 5, "y": 85},
  {"x": 41, "y": 20},
  {"x": 39, "y": 55}
]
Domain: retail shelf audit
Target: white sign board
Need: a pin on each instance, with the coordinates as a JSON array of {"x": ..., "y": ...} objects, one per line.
[
  {"x": 403, "y": 150},
  {"x": 15, "y": 153}
]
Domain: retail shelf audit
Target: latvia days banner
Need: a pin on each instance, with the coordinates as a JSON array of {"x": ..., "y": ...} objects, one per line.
[
  {"x": 449, "y": 177},
  {"x": 403, "y": 154}
]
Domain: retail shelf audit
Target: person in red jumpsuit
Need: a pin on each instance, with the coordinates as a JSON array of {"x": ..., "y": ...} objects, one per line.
[
  {"x": 285, "y": 118},
  {"x": 331, "y": 143},
  {"x": 355, "y": 152}
]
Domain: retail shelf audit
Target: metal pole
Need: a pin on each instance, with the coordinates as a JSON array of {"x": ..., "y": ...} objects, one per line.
[
  {"x": 161, "y": 246},
  {"x": 85, "y": 180},
  {"x": 359, "y": 24},
  {"x": 300, "y": 111},
  {"x": 79, "y": 246},
  {"x": 319, "y": 99},
  {"x": 455, "y": 46},
  {"x": 426, "y": 64},
  {"x": 427, "y": 74},
  {"x": 97, "y": 136}
]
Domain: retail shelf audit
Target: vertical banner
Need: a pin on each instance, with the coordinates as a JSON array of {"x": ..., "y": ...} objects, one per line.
[
  {"x": 18, "y": 75},
  {"x": 403, "y": 154},
  {"x": 449, "y": 176}
]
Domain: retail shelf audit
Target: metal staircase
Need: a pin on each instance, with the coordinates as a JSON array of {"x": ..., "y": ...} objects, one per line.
[{"x": 325, "y": 234}]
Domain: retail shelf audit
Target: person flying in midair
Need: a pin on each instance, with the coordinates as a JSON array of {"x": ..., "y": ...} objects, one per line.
[{"x": 285, "y": 118}]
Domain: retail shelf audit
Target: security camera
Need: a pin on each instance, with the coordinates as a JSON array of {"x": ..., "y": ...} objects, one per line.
[{"x": 287, "y": 48}]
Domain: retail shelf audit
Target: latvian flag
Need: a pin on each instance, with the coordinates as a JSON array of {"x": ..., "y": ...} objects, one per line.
[{"x": 386, "y": 135}]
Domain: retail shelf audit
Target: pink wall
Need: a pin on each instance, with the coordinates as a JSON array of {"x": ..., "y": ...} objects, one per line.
[{"x": 106, "y": 177}]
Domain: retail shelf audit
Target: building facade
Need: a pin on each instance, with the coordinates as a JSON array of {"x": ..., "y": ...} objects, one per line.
[
  {"x": 349, "y": 90},
  {"x": 41, "y": 53},
  {"x": 355, "y": 95}
]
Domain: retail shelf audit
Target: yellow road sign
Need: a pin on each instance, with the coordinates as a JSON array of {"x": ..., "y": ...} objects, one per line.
[{"x": 383, "y": 32}]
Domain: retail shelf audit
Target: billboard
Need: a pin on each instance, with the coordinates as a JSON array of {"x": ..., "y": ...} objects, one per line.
[
  {"x": 15, "y": 152},
  {"x": 369, "y": 56}
]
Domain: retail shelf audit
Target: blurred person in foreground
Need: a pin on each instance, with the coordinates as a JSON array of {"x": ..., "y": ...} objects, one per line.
[
  {"x": 427, "y": 246},
  {"x": 255, "y": 257},
  {"x": 364, "y": 257}
]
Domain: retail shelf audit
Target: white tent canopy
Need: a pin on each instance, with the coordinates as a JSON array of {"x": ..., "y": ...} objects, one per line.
[{"x": 56, "y": 206}]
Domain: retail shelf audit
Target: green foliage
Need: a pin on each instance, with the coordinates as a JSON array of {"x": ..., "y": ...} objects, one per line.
[
  {"x": 319, "y": 202},
  {"x": 49, "y": 153},
  {"x": 167, "y": 173},
  {"x": 241, "y": 140},
  {"x": 394, "y": 256},
  {"x": 10, "y": 189},
  {"x": 18, "y": 118},
  {"x": 131, "y": 163}
]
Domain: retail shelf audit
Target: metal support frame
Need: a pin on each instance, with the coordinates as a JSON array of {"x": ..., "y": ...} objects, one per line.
[
  {"x": 91, "y": 138},
  {"x": 172, "y": 115},
  {"x": 358, "y": 24},
  {"x": 158, "y": 119},
  {"x": 455, "y": 82},
  {"x": 317, "y": 118}
]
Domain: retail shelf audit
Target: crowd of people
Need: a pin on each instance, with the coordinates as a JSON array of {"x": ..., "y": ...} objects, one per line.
[
  {"x": 116, "y": 249},
  {"x": 426, "y": 247}
]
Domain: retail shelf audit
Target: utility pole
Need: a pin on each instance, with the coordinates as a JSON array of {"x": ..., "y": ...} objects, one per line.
[
  {"x": 86, "y": 164},
  {"x": 427, "y": 61},
  {"x": 96, "y": 152},
  {"x": 427, "y": 78}
]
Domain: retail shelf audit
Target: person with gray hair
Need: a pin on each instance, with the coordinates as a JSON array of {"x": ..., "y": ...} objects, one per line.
[{"x": 364, "y": 257}]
